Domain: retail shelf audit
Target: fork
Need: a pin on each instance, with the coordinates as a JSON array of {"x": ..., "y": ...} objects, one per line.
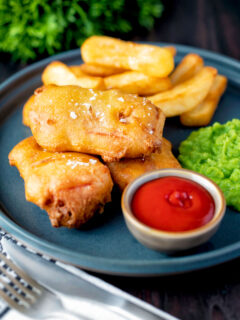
[{"x": 28, "y": 297}]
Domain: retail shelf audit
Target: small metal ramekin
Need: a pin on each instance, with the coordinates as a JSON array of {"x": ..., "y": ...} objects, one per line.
[{"x": 166, "y": 241}]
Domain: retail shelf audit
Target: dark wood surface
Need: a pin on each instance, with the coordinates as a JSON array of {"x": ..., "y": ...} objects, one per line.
[{"x": 213, "y": 293}]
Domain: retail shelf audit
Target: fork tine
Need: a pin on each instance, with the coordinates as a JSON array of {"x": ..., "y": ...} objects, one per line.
[
  {"x": 13, "y": 291},
  {"x": 22, "y": 275},
  {"x": 12, "y": 303},
  {"x": 11, "y": 294},
  {"x": 17, "y": 283}
]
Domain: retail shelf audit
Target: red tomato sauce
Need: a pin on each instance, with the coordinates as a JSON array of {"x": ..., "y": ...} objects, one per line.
[{"x": 173, "y": 204}]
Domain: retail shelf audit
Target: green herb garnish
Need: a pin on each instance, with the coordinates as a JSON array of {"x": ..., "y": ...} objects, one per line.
[{"x": 31, "y": 29}]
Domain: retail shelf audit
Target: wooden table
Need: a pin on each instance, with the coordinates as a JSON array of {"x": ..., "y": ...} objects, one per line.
[{"x": 212, "y": 294}]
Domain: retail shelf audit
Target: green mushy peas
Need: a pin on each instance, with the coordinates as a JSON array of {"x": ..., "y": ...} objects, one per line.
[{"x": 214, "y": 151}]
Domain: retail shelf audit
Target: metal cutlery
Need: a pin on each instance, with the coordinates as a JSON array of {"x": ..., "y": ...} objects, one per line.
[
  {"x": 93, "y": 297},
  {"x": 27, "y": 296}
]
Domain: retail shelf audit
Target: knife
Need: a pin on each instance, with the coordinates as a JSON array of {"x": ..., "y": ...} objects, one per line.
[{"x": 75, "y": 285}]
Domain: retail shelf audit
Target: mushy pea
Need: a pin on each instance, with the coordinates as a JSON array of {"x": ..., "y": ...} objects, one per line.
[{"x": 214, "y": 151}]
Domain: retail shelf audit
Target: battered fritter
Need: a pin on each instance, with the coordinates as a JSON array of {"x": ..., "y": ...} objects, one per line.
[
  {"x": 126, "y": 170},
  {"x": 70, "y": 186},
  {"x": 109, "y": 123}
]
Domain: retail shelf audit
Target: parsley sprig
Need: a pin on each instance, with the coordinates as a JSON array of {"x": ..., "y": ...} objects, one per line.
[{"x": 31, "y": 29}]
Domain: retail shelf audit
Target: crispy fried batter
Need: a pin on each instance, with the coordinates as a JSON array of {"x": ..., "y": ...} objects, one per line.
[
  {"x": 126, "y": 170},
  {"x": 109, "y": 123},
  {"x": 26, "y": 111},
  {"x": 70, "y": 186}
]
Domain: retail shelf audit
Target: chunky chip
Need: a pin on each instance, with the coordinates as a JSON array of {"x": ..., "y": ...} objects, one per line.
[
  {"x": 137, "y": 82},
  {"x": 190, "y": 65},
  {"x": 187, "y": 95},
  {"x": 96, "y": 70},
  {"x": 151, "y": 60},
  {"x": 59, "y": 74},
  {"x": 203, "y": 113},
  {"x": 171, "y": 49}
]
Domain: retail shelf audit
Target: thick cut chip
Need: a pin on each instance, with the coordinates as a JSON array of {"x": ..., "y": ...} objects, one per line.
[
  {"x": 96, "y": 70},
  {"x": 203, "y": 113},
  {"x": 171, "y": 49},
  {"x": 152, "y": 60},
  {"x": 187, "y": 95},
  {"x": 59, "y": 74},
  {"x": 109, "y": 123},
  {"x": 105, "y": 71},
  {"x": 126, "y": 170},
  {"x": 70, "y": 186},
  {"x": 137, "y": 82},
  {"x": 187, "y": 68},
  {"x": 26, "y": 110}
]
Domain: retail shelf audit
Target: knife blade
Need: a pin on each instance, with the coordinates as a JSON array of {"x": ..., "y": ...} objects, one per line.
[{"x": 78, "y": 285}]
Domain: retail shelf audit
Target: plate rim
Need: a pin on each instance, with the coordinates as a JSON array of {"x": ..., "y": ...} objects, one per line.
[{"x": 110, "y": 265}]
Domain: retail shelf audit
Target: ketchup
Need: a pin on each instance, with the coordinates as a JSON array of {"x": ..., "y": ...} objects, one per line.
[{"x": 173, "y": 204}]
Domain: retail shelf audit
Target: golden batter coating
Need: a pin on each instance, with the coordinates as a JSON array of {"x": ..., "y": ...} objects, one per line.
[
  {"x": 26, "y": 110},
  {"x": 126, "y": 170},
  {"x": 70, "y": 186},
  {"x": 109, "y": 123}
]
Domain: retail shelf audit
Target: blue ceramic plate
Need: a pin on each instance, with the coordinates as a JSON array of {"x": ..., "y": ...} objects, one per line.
[{"x": 105, "y": 244}]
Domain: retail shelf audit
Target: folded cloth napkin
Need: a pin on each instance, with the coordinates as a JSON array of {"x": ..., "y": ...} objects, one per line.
[{"x": 5, "y": 312}]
